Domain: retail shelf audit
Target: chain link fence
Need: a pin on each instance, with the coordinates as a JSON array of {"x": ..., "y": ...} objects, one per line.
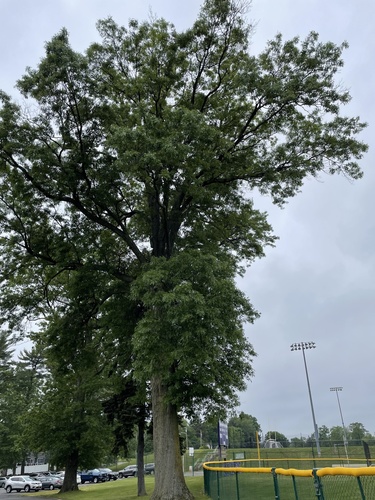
[{"x": 238, "y": 481}]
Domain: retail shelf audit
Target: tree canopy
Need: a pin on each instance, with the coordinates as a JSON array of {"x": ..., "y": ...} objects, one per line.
[
  {"x": 243, "y": 430},
  {"x": 136, "y": 161}
]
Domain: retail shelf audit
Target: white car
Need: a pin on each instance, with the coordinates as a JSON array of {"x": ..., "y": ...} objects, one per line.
[
  {"x": 62, "y": 475},
  {"x": 19, "y": 483}
]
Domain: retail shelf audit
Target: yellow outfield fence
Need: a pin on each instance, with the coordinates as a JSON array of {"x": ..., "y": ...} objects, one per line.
[{"x": 240, "y": 480}]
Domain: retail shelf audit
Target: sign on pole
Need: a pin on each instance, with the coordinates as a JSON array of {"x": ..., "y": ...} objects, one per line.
[{"x": 222, "y": 434}]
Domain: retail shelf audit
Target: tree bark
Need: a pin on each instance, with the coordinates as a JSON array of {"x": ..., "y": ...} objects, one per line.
[
  {"x": 70, "y": 476},
  {"x": 169, "y": 478}
]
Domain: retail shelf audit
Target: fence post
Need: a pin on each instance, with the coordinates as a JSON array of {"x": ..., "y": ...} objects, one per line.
[
  {"x": 363, "y": 496},
  {"x": 218, "y": 485},
  {"x": 295, "y": 487},
  {"x": 237, "y": 487},
  {"x": 207, "y": 488},
  {"x": 318, "y": 485},
  {"x": 275, "y": 484}
]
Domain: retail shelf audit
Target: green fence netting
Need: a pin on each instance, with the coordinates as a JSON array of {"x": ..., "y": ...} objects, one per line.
[{"x": 237, "y": 481}]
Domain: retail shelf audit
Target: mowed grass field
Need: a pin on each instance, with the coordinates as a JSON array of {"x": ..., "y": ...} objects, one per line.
[
  {"x": 117, "y": 490},
  {"x": 252, "y": 486}
]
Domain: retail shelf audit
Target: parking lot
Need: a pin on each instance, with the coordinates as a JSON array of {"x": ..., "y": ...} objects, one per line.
[{"x": 17, "y": 496}]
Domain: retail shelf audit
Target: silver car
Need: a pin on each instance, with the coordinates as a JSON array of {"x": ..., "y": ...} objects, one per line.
[{"x": 19, "y": 483}]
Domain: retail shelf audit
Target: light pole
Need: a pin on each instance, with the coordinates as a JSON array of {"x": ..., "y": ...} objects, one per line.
[
  {"x": 302, "y": 346},
  {"x": 337, "y": 390}
]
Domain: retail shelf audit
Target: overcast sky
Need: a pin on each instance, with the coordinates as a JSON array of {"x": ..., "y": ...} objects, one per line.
[{"x": 318, "y": 283}]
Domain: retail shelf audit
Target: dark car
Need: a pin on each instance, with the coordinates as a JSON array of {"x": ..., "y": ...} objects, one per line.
[
  {"x": 50, "y": 482},
  {"x": 149, "y": 468},
  {"x": 93, "y": 476},
  {"x": 129, "y": 471},
  {"x": 110, "y": 473}
]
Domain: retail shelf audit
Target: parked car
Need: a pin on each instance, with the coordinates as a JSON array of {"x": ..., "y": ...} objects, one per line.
[
  {"x": 2, "y": 481},
  {"x": 19, "y": 483},
  {"x": 43, "y": 474},
  {"x": 93, "y": 476},
  {"x": 149, "y": 468},
  {"x": 51, "y": 482},
  {"x": 130, "y": 470},
  {"x": 62, "y": 475},
  {"x": 111, "y": 473}
]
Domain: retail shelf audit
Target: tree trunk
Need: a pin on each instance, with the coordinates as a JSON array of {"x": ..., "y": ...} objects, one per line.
[
  {"x": 169, "y": 478},
  {"x": 70, "y": 477},
  {"x": 140, "y": 457}
]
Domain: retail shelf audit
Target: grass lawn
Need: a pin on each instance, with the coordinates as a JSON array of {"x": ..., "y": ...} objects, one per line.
[
  {"x": 253, "y": 486},
  {"x": 118, "y": 490}
]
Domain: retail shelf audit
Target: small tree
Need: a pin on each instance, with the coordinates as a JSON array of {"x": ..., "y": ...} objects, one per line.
[
  {"x": 277, "y": 436},
  {"x": 336, "y": 434},
  {"x": 297, "y": 442},
  {"x": 22, "y": 382},
  {"x": 68, "y": 420},
  {"x": 126, "y": 410},
  {"x": 357, "y": 432},
  {"x": 30, "y": 376},
  {"x": 324, "y": 435},
  {"x": 9, "y": 411},
  {"x": 245, "y": 429}
]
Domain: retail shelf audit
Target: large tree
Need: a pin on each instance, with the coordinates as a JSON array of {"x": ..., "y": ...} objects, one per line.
[{"x": 146, "y": 150}]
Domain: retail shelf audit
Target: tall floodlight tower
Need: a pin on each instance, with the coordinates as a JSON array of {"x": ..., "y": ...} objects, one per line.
[
  {"x": 302, "y": 346},
  {"x": 337, "y": 390}
]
